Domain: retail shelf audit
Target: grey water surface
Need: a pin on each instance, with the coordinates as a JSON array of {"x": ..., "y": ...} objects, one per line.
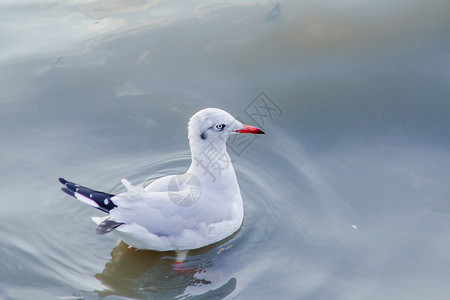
[{"x": 347, "y": 196}]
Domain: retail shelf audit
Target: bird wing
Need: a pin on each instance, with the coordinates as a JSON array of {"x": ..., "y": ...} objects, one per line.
[{"x": 157, "y": 212}]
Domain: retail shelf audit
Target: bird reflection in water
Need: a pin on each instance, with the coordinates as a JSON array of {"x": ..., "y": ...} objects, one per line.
[{"x": 144, "y": 274}]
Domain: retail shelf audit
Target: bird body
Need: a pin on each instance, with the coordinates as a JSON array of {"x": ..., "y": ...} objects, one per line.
[{"x": 179, "y": 212}]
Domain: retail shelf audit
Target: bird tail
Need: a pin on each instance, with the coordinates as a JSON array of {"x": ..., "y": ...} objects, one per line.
[{"x": 99, "y": 200}]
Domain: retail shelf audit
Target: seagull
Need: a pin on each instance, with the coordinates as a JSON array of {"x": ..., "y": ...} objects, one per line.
[{"x": 178, "y": 212}]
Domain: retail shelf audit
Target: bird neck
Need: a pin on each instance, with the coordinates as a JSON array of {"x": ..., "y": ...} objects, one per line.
[{"x": 211, "y": 162}]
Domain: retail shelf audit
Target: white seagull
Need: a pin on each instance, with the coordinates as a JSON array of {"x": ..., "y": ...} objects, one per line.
[{"x": 179, "y": 212}]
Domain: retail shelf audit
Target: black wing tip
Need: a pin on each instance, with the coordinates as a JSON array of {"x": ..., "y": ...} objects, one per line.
[
  {"x": 69, "y": 185},
  {"x": 68, "y": 192},
  {"x": 103, "y": 200}
]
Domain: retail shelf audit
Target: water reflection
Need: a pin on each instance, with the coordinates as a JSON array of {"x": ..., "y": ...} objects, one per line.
[{"x": 146, "y": 274}]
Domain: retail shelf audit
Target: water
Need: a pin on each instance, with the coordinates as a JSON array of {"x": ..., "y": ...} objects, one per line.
[{"x": 346, "y": 196}]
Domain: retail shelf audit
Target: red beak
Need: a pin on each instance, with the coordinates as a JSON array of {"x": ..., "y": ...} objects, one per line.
[{"x": 250, "y": 129}]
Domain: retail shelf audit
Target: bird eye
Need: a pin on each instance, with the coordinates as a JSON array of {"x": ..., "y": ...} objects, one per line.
[{"x": 220, "y": 126}]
